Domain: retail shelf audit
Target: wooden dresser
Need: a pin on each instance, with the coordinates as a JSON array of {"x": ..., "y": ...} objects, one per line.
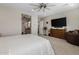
[{"x": 58, "y": 33}]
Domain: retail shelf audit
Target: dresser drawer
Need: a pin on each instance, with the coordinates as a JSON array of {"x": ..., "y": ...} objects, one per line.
[{"x": 59, "y": 33}]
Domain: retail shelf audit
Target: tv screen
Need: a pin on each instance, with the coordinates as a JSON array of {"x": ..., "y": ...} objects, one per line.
[{"x": 60, "y": 22}]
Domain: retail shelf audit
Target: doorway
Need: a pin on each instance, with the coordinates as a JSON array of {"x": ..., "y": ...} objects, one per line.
[{"x": 26, "y": 24}]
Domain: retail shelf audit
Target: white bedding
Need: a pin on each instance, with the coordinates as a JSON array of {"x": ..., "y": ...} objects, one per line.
[{"x": 25, "y": 45}]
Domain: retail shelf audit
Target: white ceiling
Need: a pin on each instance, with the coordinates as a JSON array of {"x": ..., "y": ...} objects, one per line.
[{"x": 28, "y": 7}]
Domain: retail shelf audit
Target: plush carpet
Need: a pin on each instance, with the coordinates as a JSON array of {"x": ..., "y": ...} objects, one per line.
[{"x": 61, "y": 47}]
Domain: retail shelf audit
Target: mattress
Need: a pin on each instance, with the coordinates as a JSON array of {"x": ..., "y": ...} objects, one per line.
[{"x": 25, "y": 45}]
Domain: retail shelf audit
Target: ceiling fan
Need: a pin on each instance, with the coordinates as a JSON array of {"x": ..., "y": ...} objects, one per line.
[{"x": 42, "y": 6}]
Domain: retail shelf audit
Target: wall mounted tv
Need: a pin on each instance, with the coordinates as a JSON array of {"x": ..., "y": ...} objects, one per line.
[{"x": 59, "y": 22}]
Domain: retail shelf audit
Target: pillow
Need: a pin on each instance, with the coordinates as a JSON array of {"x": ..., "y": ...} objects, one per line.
[{"x": 75, "y": 32}]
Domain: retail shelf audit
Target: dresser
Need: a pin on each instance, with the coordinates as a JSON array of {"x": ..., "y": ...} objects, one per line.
[{"x": 58, "y": 33}]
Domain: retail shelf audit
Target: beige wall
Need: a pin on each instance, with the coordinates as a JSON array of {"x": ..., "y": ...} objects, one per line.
[
  {"x": 72, "y": 19},
  {"x": 10, "y": 21}
]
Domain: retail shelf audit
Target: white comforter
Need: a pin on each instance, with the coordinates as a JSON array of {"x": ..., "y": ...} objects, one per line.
[{"x": 25, "y": 45}]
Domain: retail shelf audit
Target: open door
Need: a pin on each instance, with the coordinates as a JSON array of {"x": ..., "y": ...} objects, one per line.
[{"x": 26, "y": 24}]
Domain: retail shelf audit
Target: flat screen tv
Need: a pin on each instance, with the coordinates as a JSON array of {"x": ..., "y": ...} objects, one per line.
[{"x": 59, "y": 22}]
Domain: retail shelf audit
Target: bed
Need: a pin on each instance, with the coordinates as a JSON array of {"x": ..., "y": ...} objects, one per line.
[{"x": 25, "y": 45}]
